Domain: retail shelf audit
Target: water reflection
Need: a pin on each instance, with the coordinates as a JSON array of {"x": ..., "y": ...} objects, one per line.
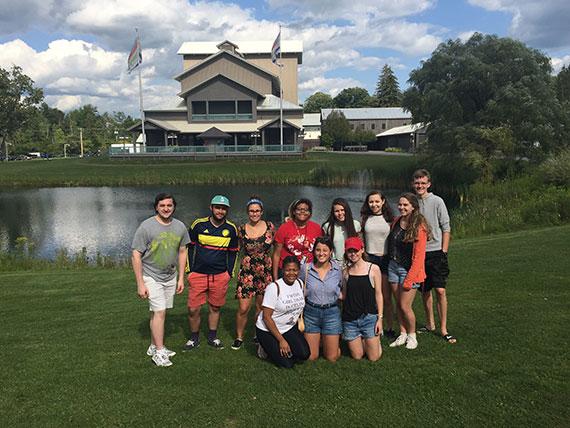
[{"x": 104, "y": 219}]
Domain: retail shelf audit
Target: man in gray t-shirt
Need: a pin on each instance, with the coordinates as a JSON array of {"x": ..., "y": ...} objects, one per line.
[
  {"x": 159, "y": 257},
  {"x": 434, "y": 210}
]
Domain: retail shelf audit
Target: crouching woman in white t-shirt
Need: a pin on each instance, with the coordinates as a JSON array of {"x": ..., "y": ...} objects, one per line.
[{"x": 279, "y": 338}]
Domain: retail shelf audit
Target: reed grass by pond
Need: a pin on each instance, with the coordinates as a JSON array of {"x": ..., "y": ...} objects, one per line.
[
  {"x": 75, "y": 340},
  {"x": 320, "y": 169}
]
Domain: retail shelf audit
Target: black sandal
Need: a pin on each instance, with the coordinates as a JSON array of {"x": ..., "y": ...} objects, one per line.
[
  {"x": 449, "y": 338},
  {"x": 424, "y": 329}
]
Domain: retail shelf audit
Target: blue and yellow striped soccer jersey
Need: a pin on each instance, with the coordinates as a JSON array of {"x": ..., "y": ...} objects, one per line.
[{"x": 212, "y": 249}]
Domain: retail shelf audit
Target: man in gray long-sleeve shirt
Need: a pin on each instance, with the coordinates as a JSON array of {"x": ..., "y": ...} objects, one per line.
[{"x": 437, "y": 270}]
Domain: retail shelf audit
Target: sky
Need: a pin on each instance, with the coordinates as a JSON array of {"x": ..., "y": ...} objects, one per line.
[{"x": 76, "y": 50}]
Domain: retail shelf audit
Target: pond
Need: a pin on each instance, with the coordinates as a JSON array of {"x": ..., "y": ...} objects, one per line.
[{"x": 104, "y": 219}]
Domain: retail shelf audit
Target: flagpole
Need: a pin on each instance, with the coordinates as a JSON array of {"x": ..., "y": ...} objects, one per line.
[
  {"x": 141, "y": 100},
  {"x": 280, "y": 92}
]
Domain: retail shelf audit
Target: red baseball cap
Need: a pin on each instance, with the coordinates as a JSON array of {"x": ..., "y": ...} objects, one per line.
[{"x": 354, "y": 243}]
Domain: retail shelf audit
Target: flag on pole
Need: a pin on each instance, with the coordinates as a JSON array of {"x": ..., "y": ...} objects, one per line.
[
  {"x": 135, "y": 57},
  {"x": 276, "y": 49}
]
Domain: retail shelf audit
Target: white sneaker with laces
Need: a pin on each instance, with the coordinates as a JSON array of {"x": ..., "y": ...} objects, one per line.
[
  {"x": 161, "y": 359},
  {"x": 411, "y": 343},
  {"x": 152, "y": 349},
  {"x": 400, "y": 340}
]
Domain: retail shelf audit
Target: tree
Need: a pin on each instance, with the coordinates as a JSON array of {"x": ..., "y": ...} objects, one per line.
[
  {"x": 563, "y": 84},
  {"x": 335, "y": 130},
  {"x": 353, "y": 97},
  {"x": 18, "y": 101},
  {"x": 316, "y": 102},
  {"x": 485, "y": 99},
  {"x": 388, "y": 92}
]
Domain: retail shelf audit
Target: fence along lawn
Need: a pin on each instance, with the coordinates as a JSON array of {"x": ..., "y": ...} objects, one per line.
[{"x": 74, "y": 341}]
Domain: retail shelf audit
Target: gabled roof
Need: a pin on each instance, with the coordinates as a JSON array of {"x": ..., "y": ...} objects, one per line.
[
  {"x": 277, "y": 120},
  {"x": 214, "y": 132},
  {"x": 159, "y": 123},
  {"x": 218, "y": 77},
  {"x": 406, "y": 129},
  {"x": 217, "y": 55},
  {"x": 369, "y": 113},
  {"x": 245, "y": 47}
]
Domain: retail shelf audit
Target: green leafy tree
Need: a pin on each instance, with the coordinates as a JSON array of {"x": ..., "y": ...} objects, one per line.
[
  {"x": 316, "y": 102},
  {"x": 363, "y": 137},
  {"x": 19, "y": 99},
  {"x": 352, "y": 98},
  {"x": 485, "y": 99},
  {"x": 388, "y": 92},
  {"x": 563, "y": 84},
  {"x": 335, "y": 130}
]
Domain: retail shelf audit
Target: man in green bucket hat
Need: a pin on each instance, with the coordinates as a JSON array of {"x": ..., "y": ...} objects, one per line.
[{"x": 212, "y": 255}]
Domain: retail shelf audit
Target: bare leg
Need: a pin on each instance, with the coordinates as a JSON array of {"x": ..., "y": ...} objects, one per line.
[
  {"x": 388, "y": 305},
  {"x": 213, "y": 317},
  {"x": 372, "y": 348},
  {"x": 157, "y": 328},
  {"x": 441, "y": 297},
  {"x": 314, "y": 340},
  {"x": 406, "y": 299},
  {"x": 331, "y": 349},
  {"x": 356, "y": 348},
  {"x": 194, "y": 319},
  {"x": 428, "y": 307},
  {"x": 396, "y": 290},
  {"x": 241, "y": 317}
]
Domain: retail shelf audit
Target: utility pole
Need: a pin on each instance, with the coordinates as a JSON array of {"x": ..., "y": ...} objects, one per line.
[{"x": 81, "y": 141}]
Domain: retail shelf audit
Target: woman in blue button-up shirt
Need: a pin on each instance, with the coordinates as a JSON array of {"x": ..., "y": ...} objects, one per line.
[{"x": 322, "y": 278}]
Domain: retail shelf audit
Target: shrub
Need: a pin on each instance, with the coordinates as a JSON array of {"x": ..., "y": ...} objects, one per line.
[{"x": 556, "y": 170}]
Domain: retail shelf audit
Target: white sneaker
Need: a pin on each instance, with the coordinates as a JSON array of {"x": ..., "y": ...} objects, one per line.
[
  {"x": 161, "y": 359},
  {"x": 411, "y": 343},
  {"x": 400, "y": 340},
  {"x": 152, "y": 349}
]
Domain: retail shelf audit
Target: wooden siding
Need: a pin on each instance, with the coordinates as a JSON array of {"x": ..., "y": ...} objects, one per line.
[{"x": 232, "y": 69}]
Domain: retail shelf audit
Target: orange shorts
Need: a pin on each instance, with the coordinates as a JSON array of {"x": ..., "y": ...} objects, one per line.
[{"x": 214, "y": 286}]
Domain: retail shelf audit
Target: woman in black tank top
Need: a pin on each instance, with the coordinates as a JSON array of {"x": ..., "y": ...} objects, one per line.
[{"x": 362, "y": 308}]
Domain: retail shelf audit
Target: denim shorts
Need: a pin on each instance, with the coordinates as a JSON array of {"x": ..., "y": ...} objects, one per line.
[
  {"x": 323, "y": 321},
  {"x": 380, "y": 261},
  {"x": 397, "y": 274},
  {"x": 360, "y": 327}
]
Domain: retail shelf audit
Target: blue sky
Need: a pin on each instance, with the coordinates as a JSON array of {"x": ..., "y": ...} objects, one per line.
[{"x": 76, "y": 49}]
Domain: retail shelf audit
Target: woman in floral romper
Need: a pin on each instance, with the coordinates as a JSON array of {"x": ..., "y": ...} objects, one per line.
[{"x": 255, "y": 269}]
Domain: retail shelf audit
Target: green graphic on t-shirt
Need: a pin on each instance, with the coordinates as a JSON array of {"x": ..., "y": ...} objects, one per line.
[{"x": 164, "y": 249}]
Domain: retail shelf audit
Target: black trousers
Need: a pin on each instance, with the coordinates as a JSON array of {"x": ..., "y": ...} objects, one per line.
[{"x": 295, "y": 339}]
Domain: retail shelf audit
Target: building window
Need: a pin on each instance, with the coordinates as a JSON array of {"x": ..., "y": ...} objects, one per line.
[
  {"x": 373, "y": 126},
  {"x": 199, "y": 110},
  {"x": 221, "y": 110},
  {"x": 383, "y": 126}
]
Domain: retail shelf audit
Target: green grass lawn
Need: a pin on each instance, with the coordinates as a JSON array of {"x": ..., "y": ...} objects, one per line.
[
  {"x": 316, "y": 169},
  {"x": 74, "y": 341}
]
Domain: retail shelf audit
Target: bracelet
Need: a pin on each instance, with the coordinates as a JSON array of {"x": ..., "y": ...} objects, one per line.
[{"x": 380, "y": 316}]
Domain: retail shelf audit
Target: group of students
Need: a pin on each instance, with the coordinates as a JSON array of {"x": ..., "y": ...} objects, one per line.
[{"x": 341, "y": 278}]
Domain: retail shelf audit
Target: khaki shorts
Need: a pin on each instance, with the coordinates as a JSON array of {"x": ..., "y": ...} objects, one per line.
[{"x": 160, "y": 294}]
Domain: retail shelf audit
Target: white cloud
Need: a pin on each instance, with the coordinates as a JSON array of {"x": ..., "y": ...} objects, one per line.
[
  {"x": 543, "y": 24},
  {"x": 465, "y": 35},
  {"x": 330, "y": 86},
  {"x": 76, "y": 71},
  {"x": 558, "y": 63}
]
